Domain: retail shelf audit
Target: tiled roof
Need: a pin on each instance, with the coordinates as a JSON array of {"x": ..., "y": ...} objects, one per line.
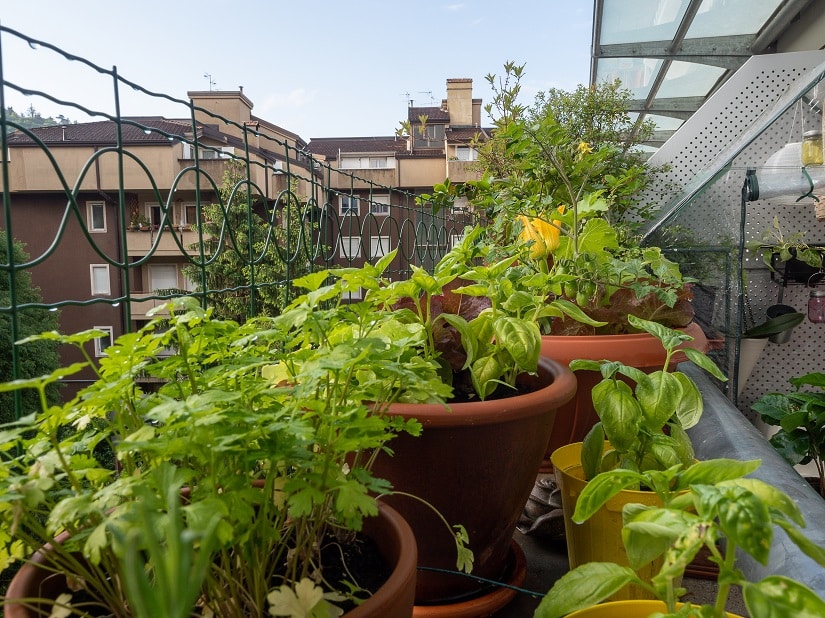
[
  {"x": 434, "y": 114},
  {"x": 466, "y": 134},
  {"x": 329, "y": 147},
  {"x": 105, "y": 132}
]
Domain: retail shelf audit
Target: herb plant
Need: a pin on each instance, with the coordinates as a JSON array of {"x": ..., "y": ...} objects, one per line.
[
  {"x": 270, "y": 428},
  {"x": 800, "y": 417},
  {"x": 701, "y": 505},
  {"x": 645, "y": 425}
]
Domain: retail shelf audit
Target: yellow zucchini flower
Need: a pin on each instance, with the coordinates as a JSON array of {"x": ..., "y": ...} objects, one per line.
[{"x": 545, "y": 237}]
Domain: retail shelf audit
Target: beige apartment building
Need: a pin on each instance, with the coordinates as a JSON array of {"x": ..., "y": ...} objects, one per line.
[{"x": 110, "y": 210}]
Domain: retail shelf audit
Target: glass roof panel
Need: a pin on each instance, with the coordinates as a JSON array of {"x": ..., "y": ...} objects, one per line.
[
  {"x": 726, "y": 17},
  {"x": 630, "y": 21},
  {"x": 686, "y": 79},
  {"x": 636, "y": 74},
  {"x": 665, "y": 123}
]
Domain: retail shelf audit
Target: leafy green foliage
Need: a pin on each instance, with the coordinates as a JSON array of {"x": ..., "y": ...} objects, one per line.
[
  {"x": 35, "y": 358},
  {"x": 644, "y": 424},
  {"x": 480, "y": 316},
  {"x": 702, "y": 505},
  {"x": 800, "y": 418},
  {"x": 540, "y": 167},
  {"x": 270, "y": 426},
  {"x": 32, "y": 118},
  {"x": 248, "y": 248}
]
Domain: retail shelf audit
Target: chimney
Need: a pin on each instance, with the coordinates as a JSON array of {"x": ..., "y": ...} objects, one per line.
[{"x": 460, "y": 102}]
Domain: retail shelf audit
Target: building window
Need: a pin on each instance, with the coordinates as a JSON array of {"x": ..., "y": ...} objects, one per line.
[
  {"x": 163, "y": 277},
  {"x": 378, "y": 162},
  {"x": 186, "y": 213},
  {"x": 96, "y": 216},
  {"x": 350, "y": 247},
  {"x": 104, "y": 341},
  {"x": 380, "y": 205},
  {"x": 349, "y": 205},
  {"x": 100, "y": 279},
  {"x": 155, "y": 214},
  {"x": 466, "y": 153},
  {"x": 379, "y": 246}
]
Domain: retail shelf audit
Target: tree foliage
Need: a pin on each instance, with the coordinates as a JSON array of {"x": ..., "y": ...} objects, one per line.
[
  {"x": 592, "y": 117},
  {"x": 252, "y": 248},
  {"x": 34, "y": 358},
  {"x": 32, "y": 118}
]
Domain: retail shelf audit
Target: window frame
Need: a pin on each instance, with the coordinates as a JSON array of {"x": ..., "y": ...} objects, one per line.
[
  {"x": 96, "y": 267},
  {"x": 377, "y": 200},
  {"x": 347, "y": 241},
  {"x": 90, "y": 205},
  {"x": 472, "y": 153},
  {"x": 379, "y": 241},
  {"x": 352, "y": 210},
  {"x": 100, "y": 350}
]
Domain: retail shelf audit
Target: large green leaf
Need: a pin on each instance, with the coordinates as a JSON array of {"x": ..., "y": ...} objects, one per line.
[
  {"x": 780, "y": 596},
  {"x": 659, "y": 397},
  {"x": 690, "y": 405},
  {"x": 584, "y": 586},
  {"x": 521, "y": 339},
  {"x": 619, "y": 412},
  {"x": 601, "y": 489}
]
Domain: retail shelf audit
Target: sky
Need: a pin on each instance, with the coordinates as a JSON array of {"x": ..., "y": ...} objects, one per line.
[{"x": 317, "y": 69}]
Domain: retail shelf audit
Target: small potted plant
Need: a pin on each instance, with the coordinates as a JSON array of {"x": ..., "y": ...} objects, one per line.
[
  {"x": 787, "y": 255},
  {"x": 250, "y": 464},
  {"x": 797, "y": 418},
  {"x": 700, "y": 506},
  {"x": 479, "y": 317},
  {"x": 641, "y": 427}
]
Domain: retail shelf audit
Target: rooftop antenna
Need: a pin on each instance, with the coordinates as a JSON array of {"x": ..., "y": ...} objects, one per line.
[
  {"x": 211, "y": 81},
  {"x": 429, "y": 93},
  {"x": 409, "y": 100}
]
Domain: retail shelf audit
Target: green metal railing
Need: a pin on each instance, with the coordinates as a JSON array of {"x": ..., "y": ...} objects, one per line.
[{"x": 273, "y": 236}]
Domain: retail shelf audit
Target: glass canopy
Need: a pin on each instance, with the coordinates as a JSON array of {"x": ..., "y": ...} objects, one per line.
[{"x": 673, "y": 54}]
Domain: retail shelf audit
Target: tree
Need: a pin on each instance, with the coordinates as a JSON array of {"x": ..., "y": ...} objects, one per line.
[
  {"x": 34, "y": 119},
  {"x": 595, "y": 118},
  {"x": 252, "y": 249},
  {"x": 35, "y": 358}
]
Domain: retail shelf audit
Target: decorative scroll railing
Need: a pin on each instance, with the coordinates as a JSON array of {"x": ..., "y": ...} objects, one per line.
[{"x": 238, "y": 222}]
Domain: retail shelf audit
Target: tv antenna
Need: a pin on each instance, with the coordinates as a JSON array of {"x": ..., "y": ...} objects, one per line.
[
  {"x": 211, "y": 81},
  {"x": 429, "y": 93}
]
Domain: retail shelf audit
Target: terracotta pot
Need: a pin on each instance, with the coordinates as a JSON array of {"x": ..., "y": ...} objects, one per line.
[
  {"x": 476, "y": 464},
  {"x": 392, "y": 534},
  {"x": 642, "y": 350}
]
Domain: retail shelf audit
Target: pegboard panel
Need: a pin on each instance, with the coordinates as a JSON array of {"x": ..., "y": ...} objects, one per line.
[{"x": 752, "y": 116}]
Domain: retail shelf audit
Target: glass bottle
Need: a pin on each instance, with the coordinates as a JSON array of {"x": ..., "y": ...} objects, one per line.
[
  {"x": 816, "y": 306},
  {"x": 812, "y": 148}
]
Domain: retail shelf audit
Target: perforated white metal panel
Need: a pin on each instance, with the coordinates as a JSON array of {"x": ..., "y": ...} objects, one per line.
[{"x": 769, "y": 103}]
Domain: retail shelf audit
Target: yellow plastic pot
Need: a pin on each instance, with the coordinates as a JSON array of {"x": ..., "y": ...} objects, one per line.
[
  {"x": 638, "y": 608},
  {"x": 599, "y": 539}
]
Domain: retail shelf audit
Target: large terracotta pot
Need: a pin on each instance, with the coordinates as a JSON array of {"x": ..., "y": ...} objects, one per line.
[
  {"x": 642, "y": 350},
  {"x": 391, "y": 533},
  {"x": 475, "y": 463}
]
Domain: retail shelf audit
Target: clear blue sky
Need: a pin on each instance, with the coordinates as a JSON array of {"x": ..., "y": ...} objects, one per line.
[{"x": 318, "y": 69}]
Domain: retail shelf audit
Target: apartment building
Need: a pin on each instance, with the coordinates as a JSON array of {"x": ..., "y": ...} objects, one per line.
[
  {"x": 108, "y": 211},
  {"x": 370, "y": 180}
]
